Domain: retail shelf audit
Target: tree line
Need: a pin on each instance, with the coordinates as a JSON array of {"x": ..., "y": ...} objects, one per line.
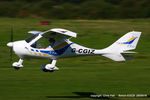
[{"x": 75, "y": 9}]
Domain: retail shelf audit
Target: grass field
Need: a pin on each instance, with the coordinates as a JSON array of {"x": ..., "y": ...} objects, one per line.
[{"x": 77, "y": 76}]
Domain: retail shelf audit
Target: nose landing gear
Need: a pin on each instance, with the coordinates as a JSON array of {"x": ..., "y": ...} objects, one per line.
[{"x": 18, "y": 65}]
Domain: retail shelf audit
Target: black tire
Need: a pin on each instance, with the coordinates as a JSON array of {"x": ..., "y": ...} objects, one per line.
[
  {"x": 16, "y": 68},
  {"x": 44, "y": 69}
]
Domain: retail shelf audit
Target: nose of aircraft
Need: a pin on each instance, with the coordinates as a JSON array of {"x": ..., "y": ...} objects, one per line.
[{"x": 10, "y": 44}]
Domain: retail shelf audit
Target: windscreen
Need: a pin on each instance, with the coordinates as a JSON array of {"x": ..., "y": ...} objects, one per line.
[
  {"x": 30, "y": 38},
  {"x": 42, "y": 43}
]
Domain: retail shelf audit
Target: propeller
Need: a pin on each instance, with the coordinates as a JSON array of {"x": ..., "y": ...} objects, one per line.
[{"x": 11, "y": 41}]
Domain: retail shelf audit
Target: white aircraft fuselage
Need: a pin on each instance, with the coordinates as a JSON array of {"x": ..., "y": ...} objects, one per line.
[{"x": 64, "y": 49}]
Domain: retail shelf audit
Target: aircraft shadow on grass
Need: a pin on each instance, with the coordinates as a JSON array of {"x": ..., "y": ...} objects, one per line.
[{"x": 83, "y": 95}]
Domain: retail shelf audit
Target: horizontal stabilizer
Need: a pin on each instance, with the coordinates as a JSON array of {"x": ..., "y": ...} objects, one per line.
[
  {"x": 128, "y": 52},
  {"x": 117, "y": 57}
]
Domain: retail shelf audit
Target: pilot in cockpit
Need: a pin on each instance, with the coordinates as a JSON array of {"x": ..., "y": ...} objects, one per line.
[{"x": 51, "y": 43}]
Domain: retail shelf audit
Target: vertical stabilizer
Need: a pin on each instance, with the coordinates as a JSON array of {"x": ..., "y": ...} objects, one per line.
[{"x": 127, "y": 42}]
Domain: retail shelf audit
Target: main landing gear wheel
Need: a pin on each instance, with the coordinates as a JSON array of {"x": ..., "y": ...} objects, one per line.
[
  {"x": 16, "y": 68},
  {"x": 44, "y": 69},
  {"x": 49, "y": 68}
]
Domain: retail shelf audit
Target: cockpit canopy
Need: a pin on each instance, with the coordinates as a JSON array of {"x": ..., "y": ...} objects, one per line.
[{"x": 49, "y": 37}]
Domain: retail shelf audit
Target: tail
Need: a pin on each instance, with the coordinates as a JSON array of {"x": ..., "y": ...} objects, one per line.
[{"x": 117, "y": 49}]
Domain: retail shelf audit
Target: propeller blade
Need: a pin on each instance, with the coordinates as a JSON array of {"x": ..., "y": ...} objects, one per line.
[{"x": 11, "y": 40}]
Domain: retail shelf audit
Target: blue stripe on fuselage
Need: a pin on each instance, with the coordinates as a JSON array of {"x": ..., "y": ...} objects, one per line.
[{"x": 56, "y": 52}]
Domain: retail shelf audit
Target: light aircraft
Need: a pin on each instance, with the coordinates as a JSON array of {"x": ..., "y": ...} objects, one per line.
[{"x": 54, "y": 44}]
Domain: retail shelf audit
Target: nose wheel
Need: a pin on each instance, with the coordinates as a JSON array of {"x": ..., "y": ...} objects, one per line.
[{"x": 18, "y": 65}]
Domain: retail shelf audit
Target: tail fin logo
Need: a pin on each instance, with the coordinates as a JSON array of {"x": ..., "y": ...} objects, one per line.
[{"x": 130, "y": 41}]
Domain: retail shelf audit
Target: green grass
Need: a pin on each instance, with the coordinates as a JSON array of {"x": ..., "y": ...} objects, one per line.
[{"x": 79, "y": 74}]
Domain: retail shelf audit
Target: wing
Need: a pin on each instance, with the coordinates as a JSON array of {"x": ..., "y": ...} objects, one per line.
[
  {"x": 58, "y": 33},
  {"x": 35, "y": 32}
]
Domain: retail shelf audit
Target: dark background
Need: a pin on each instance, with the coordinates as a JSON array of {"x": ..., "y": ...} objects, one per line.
[{"x": 75, "y": 9}]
